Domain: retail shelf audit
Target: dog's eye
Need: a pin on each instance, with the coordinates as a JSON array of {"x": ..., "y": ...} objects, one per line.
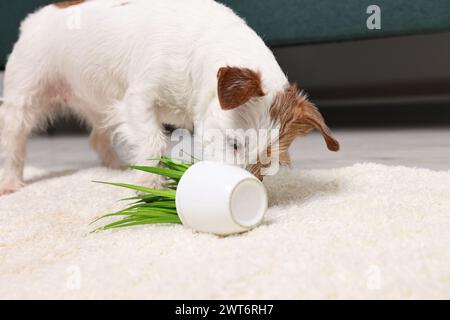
[{"x": 235, "y": 144}]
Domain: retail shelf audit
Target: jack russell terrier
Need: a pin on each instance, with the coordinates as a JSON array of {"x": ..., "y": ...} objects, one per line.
[{"x": 127, "y": 67}]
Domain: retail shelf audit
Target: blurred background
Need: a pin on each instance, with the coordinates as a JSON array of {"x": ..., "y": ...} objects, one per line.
[{"x": 380, "y": 78}]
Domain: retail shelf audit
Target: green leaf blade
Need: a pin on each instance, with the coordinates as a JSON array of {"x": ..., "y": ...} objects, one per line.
[
  {"x": 156, "y": 192},
  {"x": 169, "y": 173}
]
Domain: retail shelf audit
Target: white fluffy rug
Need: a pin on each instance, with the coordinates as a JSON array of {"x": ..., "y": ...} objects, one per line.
[{"x": 367, "y": 231}]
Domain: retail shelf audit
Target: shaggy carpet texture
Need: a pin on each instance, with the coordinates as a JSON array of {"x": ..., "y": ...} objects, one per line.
[{"x": 366, "y": 231}]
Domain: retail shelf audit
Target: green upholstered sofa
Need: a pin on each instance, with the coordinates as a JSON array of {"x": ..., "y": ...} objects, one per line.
[
  {"x": 292, "y": 22},
  {"x": 283, "y": 22}
]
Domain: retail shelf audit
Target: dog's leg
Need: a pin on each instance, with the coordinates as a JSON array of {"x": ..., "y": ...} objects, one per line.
[
  {"x": 15, "y": 125},
  {"x": 100, "y": 140},
  {"x": 139, "y": 126}
]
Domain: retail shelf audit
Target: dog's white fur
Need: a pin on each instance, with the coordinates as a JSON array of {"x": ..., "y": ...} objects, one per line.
[{"x": 127, "y": 68}]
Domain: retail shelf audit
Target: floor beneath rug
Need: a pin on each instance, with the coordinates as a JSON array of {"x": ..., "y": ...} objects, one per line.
[{"x": 422, "y": 147}]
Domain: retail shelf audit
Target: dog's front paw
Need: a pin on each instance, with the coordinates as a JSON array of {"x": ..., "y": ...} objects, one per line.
[
  {"x": 114, "y": 164},
  {"x": 10, "y": 186},
  {"x": 151, "y": 181}
]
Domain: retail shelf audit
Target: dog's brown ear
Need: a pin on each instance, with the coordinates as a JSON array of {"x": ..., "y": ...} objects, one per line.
[
  {"x": 236, "y": 86},
  {"x": 312, "y": 116}
]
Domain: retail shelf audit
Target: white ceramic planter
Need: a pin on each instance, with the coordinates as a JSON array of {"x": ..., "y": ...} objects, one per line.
[{"x": 222, "y": 199}]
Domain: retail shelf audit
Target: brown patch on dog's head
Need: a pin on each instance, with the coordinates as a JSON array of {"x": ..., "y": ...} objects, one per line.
[
  {"x": 67, "y": 4},
  {"x": 296, "y": 116},
  {"x": 236, "y": 86}
]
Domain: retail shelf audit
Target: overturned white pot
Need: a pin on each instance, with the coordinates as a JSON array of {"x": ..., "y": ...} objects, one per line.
[{"x": 222, "y": 199}]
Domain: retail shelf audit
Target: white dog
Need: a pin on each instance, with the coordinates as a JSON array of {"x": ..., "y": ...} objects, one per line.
[{"x": 128, "y": 66}]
